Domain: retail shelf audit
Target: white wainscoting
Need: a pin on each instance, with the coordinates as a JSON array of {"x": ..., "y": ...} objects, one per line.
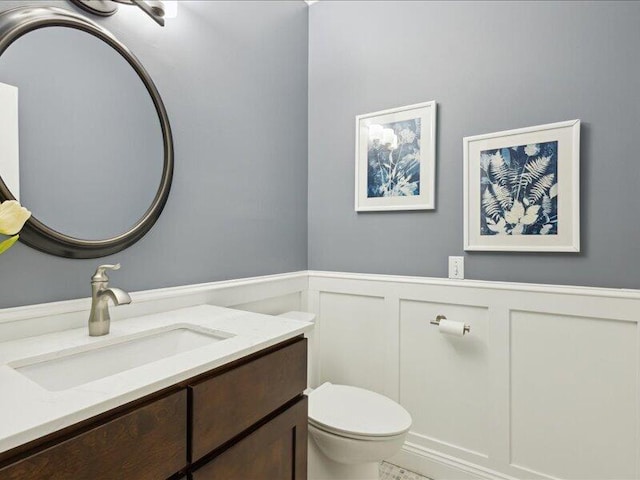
[
  {"x": 271, "y": 294},
  {"x": 546, "y": 385}
]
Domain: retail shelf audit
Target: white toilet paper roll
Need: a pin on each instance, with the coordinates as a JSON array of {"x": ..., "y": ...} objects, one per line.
[{"x": 451, "y": 328}]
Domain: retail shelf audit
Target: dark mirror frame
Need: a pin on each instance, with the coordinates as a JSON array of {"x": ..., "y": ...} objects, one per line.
[{"x": 19, "y": 21}]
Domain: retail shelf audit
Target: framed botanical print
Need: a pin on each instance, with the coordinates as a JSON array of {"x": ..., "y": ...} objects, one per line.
[
  {"x": 522, "y": 189},
  {"x": 395, "y": 159}
]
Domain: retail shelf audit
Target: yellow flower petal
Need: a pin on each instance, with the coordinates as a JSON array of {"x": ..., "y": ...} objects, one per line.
[
  {"x": 12, "y": 217},
  {"x": 8, "y": 243}
]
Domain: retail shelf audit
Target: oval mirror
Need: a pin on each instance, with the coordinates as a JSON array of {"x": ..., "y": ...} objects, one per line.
[{"x": 95, "y": 155}]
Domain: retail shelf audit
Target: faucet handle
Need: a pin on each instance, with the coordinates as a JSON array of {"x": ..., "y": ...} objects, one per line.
[{"x": 101, "y": 275}]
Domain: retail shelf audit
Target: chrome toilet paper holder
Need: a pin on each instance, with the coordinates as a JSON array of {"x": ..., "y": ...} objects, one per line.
[{"x": 466, "y": 329}]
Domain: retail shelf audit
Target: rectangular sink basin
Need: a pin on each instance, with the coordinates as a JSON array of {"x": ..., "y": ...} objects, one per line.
[{"x": 76, "y": 366}]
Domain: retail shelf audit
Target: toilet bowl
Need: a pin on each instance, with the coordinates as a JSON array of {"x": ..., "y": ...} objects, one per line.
[{"x": 351, "y": 430}]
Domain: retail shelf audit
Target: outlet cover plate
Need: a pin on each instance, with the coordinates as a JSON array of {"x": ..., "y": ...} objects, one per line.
[{"x": 456, "y": 268}]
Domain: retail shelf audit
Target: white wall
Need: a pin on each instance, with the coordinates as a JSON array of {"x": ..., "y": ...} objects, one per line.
[{"x": 545, "y": 385}]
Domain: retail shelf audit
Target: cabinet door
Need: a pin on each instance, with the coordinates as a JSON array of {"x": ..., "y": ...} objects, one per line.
[
  {"x": 147, "y": 443},
  {"x": 227, "y": 404},
  {"x": 275, "y": 451}
]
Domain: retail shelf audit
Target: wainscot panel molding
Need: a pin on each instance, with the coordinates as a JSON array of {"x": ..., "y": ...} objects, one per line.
[
  {"x": 545, "y": 386},
  {"x": 270, "y": 294}
]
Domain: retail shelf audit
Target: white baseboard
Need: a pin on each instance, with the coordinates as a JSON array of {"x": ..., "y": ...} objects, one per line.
[{"x": 439, "y": 466}]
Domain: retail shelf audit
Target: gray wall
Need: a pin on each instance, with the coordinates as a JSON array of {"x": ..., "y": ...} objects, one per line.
[
  {"x": 233, "y": 76},
  {"x": 491, "y": 66}
]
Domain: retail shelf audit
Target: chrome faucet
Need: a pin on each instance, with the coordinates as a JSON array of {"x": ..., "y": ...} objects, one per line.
[{"x": 99, "y": 319}]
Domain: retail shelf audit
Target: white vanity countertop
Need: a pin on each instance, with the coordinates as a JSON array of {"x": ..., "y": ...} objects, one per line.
[{"x": 28, "y": 411}]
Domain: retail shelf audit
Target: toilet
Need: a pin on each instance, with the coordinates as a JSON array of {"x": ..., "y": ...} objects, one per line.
[{"x": 351, "y": 430}]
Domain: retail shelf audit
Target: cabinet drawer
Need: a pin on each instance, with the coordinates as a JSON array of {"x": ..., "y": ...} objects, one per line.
[
  {"x": 231, "y": 402},
  {"x": 275, "y": 451},
  {"x": 148, "y": 443}
]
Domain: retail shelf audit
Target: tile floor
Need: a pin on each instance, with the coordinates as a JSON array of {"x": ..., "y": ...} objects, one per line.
[{"x": 389, "y": 471}]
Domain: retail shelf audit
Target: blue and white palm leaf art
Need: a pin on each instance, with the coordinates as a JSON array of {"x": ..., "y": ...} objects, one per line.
[
  {"x": 393, "y": 159},
  {"x": 519, "y": 190}
]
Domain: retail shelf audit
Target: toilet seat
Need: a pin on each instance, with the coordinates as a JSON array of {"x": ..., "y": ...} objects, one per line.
[
  {"x": 352, "y": 436},
  {"x": 356, "y": 413}
]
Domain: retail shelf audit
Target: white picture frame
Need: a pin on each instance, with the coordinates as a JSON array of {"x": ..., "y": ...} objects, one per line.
[
  {"x": 522, "y": 189},
  {"x": 398, "y": 174}
]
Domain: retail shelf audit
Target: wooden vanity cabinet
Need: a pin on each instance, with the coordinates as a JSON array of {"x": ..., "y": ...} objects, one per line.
[
  {"x": 146, "y": 443},
  {"x": 245, "y": 420},
  {"x": 227, "y": 404},
  {"x": 277, "y": 450}
]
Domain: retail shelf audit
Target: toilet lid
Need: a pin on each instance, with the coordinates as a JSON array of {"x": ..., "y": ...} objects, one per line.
[{"x": 353, "y": 410}]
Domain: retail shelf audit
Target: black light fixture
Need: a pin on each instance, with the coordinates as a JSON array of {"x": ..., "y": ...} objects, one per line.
[{"x": 154, "y": 8}]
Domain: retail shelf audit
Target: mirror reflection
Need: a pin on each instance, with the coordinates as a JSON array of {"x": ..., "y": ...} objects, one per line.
[
  {"x": 88, "y": 138},
  {"x": 9, "y": 158}
]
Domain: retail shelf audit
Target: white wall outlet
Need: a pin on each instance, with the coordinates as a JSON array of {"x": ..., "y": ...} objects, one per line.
[{"x": 456, "y": 267}]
